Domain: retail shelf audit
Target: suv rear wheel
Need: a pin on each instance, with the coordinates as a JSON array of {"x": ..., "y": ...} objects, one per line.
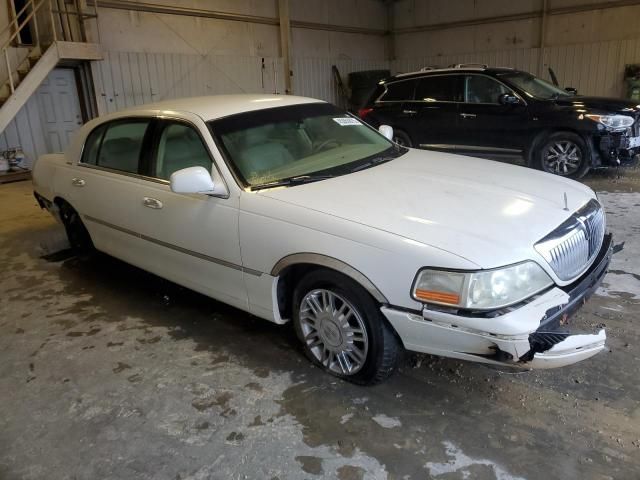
[
  {"x": 402, "y": 139},
  {"x": 564, "y": 154}
]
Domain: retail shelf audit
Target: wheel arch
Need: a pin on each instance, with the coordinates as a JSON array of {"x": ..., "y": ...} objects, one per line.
[
  {"x": 290, "y": 268},
  {"x": 538, "y": 137}
]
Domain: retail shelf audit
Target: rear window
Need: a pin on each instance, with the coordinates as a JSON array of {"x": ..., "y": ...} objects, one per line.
[
  {"x": 399, "y": 91},
  {"x": 116, "y": 145}
]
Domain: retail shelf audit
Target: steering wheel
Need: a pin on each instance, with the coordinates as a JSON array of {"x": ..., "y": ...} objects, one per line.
[{"x": 324, "y": 144}]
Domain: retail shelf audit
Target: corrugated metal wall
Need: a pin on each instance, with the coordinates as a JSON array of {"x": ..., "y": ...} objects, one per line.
[
  {"x": 312, "y": 77},
  {"x": 125, "y": 79}
]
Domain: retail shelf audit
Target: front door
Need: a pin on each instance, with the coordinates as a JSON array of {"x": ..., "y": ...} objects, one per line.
[
  {"x": 485, "y": 123},
  {"x": 192, "y": 238},
  {"x": 59, "y": 107}
]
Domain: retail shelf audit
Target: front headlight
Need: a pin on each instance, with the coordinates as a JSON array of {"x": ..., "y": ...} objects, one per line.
[
  {"x": 481, "y": 290},
  {"x": 612, "y": 122}
]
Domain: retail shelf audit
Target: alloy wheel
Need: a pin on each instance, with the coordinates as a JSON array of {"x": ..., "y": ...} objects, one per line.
[
  {"x": 563, "y": 157},
  {"x": 333, "y": 331}
]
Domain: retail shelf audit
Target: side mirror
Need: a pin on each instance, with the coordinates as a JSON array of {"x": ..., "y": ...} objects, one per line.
[
  {"x": 571, "y": 90},
  {"x": 386, "y": 131},
  {"x": 191, "y": 180},
  {"x": 508, "y": 99}
]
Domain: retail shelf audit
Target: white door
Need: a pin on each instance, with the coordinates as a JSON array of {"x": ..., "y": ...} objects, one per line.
[{"x": 59, "y": 108}]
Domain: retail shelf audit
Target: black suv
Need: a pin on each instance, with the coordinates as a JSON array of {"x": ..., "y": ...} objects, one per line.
[{"x": 501, "y": 110}]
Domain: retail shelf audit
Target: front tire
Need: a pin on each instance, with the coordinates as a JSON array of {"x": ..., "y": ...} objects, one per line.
[
  {"x": 564, "y": 154},
  {"x": 342, "y": 329}
]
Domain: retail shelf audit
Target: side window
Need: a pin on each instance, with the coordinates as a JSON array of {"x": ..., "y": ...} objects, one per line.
[
  {"x": 483, "y": 89},
  {"x": 179, "y": 147},
  {"x": 439, "y": 88},
  {"x": 399, "y": 91},
  {"x": 92, "y": 146},
  {"x": 122, "y": 144}
]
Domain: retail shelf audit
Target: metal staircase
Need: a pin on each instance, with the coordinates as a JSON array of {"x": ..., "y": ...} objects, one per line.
[{"x": 58, "y": 36}]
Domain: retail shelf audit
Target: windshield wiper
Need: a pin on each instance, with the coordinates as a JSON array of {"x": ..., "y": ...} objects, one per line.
[
  {"x": 372, "y": 162},
  {"x": 288, "y": 182}
]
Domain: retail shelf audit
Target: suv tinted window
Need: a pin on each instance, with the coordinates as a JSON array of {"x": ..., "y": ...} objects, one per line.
[
  {"x": 122, "y": 144},
  {"x": 179, "y": 147},
  {"x": 439, "y": 88},
  {"x": 483, "y": 89},
  {"x": 399, "y": 91}
]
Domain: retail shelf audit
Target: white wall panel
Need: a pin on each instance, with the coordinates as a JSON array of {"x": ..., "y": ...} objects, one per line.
[{"x": 313, "y": 77}]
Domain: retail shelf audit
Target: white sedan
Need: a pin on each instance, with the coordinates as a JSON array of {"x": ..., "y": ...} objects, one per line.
[{"x": 293, "y": 210}]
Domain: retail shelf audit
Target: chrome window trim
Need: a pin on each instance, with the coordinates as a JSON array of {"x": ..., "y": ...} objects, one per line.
[
  {"x": 215, "y": 170},
  {"x": 448, "y": 74}
]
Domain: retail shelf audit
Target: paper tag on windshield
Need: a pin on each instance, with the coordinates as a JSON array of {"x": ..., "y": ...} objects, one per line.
[{"x": 344, "y": 121}]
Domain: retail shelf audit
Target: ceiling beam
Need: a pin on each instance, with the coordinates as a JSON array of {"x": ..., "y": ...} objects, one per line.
[{"x": 234, "y": 17}]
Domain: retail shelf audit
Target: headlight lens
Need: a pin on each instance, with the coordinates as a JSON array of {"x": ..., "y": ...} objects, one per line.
[
  {"x": 612, "y": 122},
  {"x": 482, "y": 290}
]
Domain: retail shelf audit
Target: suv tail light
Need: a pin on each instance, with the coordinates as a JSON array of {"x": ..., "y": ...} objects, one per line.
[{"x": 363, "y": 112}]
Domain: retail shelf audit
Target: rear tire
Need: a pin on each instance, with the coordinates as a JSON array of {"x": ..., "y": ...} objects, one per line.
[
  {"x": 342, "y": 329},
  {"x": 564, "y": 154},
  {"x": 77, "y": 233},
  {"x": 402, "y": 139}
]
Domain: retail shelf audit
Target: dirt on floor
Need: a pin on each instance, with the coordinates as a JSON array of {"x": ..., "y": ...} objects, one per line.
[{"x": 109, "y": 372}]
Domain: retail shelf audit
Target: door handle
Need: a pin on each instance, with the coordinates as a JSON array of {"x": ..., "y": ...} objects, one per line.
[
  {"x": 151, "y": 203},
  {"x": 468, "y": 115},
  {"x": 409, "y": 112},
  {"x": 77, "y": 182}
]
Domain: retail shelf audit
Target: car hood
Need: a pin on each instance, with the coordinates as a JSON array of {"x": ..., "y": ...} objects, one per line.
[
  {"x": 487, "y": 212},
  {"x": 600, "y": 104}
]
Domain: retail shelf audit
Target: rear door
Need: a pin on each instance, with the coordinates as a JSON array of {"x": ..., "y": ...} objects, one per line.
[
  {"x": 390, "y": 108},
  {"x": 104, "y": 186},
  {"x": 485, "y": 123},
  {"x": 434, "y": 111}
]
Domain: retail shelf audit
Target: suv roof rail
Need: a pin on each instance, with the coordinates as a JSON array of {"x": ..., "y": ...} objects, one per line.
[
  {"x": 430, "y": 67},
  {"x": 469, "y": 65}
]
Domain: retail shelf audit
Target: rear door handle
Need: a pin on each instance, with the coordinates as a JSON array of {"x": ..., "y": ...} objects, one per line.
[
  {"x": 151, "y": 203},
  {"x": 409, "y": 112},
  {"x": 468, "y": 115},
  {"x": 77, "y": 182}
]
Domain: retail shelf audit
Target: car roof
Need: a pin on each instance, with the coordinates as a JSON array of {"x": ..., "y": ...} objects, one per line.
[
  {"x": 454, "y": 69},
  {"x": 218, "y": 106}
]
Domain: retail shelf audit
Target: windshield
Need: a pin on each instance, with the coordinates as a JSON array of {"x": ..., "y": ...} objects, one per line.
[
  {"x": 300, "y": 142},
  {"x": 534, "y": 86}
]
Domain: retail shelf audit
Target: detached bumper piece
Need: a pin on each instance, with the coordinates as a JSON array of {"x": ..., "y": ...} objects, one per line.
[{"x": 534, "y": 335}]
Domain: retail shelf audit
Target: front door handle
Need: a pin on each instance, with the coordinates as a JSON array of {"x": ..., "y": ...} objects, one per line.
[
  {"x": 409, "y": 112},
  {"x": 77, "y": 182},
  {"x": 151, "y": 203},
  {"x": 468, "y": 115}
]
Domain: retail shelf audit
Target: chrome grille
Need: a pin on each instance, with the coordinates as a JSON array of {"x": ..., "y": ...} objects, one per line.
[{"x": 571, "y": 247}]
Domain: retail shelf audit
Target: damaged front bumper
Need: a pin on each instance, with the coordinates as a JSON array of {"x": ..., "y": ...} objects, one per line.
[
  {"x": 616, "y": 148},
  {"x": 533, "y": 335}
]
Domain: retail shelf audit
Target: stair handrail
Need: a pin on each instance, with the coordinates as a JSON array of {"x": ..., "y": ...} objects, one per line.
[
  {"x": 20, "y": 26},
  {"x": 35, "y": 6}
]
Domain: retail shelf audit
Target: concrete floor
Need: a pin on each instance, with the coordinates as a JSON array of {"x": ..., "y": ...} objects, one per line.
[{"x": 108, "y": 372}]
